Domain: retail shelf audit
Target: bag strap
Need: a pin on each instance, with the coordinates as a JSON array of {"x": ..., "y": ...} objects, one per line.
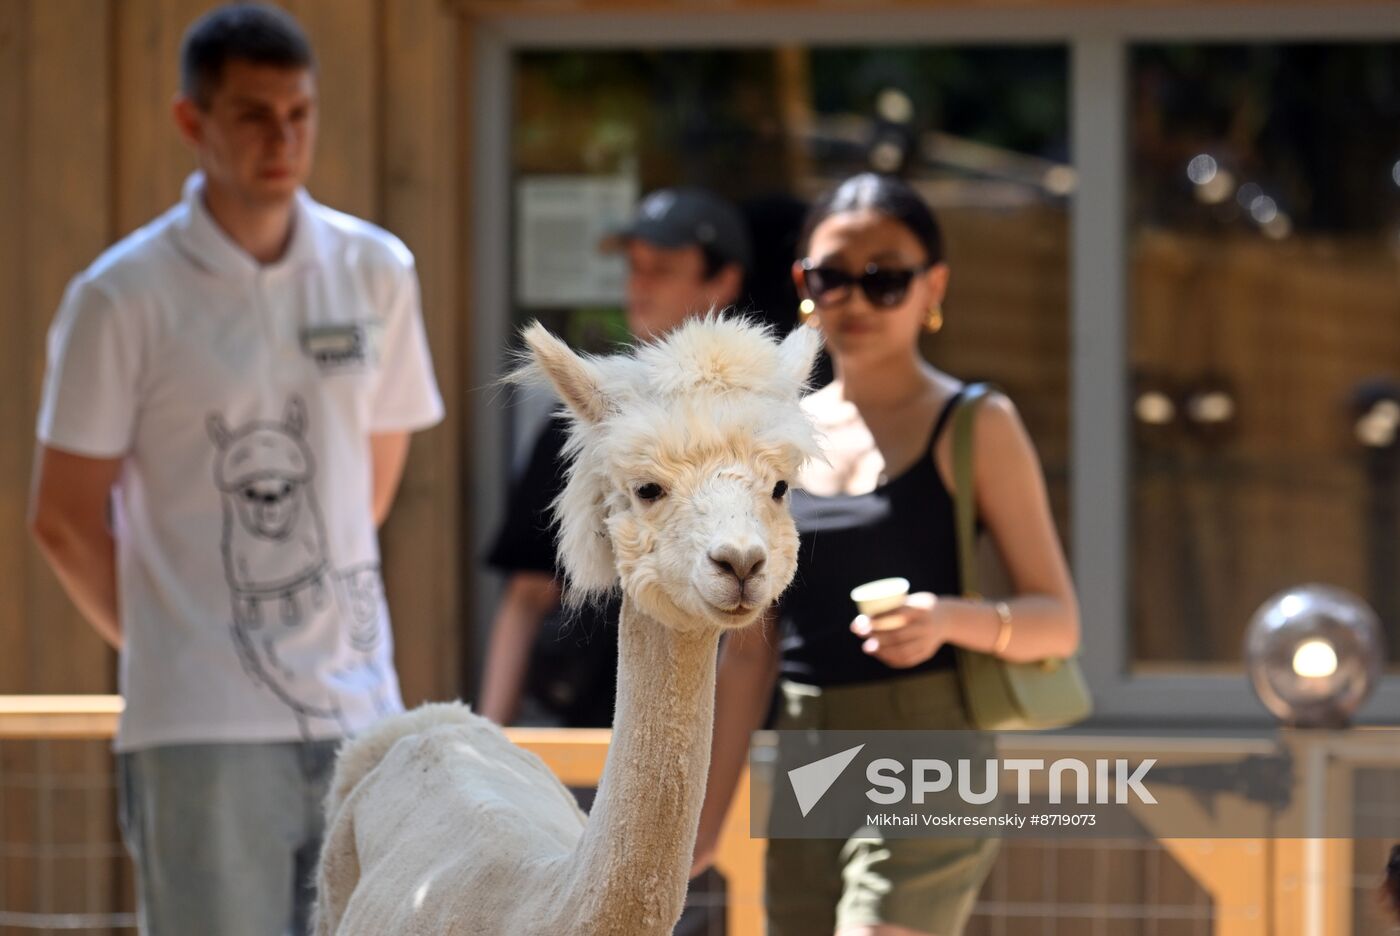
[{"x": 964, "y": 494}]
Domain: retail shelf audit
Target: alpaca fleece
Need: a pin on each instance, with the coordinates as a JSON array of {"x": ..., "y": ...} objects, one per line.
[{"x": 437, "y": 824}]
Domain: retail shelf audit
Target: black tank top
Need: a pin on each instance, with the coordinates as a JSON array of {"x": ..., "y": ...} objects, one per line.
[{"x": 904, "y": 527}]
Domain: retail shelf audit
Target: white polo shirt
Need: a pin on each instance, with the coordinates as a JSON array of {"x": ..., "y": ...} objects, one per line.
[{"x": 242, "y": 398}]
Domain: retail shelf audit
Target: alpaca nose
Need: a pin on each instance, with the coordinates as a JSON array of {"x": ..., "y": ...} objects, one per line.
[{"x": 740, "y": 563}]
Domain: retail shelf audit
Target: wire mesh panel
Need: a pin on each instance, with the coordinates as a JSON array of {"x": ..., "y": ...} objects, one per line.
[
  {"x": 62, "y": 865},
  {"x": 63, "y": 868},
  {"x": 1091, "y": 888}
]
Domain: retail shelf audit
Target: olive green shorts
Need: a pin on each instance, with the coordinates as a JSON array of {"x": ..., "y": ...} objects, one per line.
[{"x": 816, "y": 886}]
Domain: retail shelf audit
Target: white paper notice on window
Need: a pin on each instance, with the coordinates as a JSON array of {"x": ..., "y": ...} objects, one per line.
[{"x": 559, "y": 221}]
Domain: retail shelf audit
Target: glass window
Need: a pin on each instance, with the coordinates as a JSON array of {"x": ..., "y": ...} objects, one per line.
[
  {"x": 982, "y": 131},
  {"x": 1265, "y": 336}
]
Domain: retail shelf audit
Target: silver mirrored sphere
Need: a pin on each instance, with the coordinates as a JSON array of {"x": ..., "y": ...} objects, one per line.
[{"x": 1314, "y": 654}]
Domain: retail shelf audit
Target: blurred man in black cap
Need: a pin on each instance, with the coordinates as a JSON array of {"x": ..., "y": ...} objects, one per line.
[{"x": 687, "y": 252}]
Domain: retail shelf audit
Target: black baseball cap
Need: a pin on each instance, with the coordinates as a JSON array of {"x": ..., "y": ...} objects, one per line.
[{"x": 682, "y": 217}]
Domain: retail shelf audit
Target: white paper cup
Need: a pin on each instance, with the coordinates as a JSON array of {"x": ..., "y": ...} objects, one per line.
[{"x": 875, "y": 598}]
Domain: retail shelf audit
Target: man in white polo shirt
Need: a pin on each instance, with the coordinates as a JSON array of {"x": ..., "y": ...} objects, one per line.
[{"x": 238, "y": 380}]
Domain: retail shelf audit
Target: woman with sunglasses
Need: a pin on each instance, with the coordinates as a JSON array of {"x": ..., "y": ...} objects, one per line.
[{"x": 873, "y": 277}]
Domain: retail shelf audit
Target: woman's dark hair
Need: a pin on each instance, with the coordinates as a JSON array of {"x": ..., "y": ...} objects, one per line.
[
  {"x": 888, "y": 195},
  {"x": 250, "y": 32}
]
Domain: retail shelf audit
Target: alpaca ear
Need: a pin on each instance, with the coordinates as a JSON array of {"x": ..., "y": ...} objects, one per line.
[
  {"x": 577, "y": 380},
  {"x": 798, "y": 353}
]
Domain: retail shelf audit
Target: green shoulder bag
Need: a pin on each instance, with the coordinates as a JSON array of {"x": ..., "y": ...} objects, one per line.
[{"x": 1000, "y": 695}]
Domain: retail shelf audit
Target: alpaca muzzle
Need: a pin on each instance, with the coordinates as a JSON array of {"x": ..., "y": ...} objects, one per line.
[{"x": 736, "y": 575}]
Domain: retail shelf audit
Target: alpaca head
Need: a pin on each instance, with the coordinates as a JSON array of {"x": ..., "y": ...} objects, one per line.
[{"x": 682, "y": 456}]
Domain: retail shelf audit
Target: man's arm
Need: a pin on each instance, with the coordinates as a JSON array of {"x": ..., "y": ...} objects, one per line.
[
  {"x": 68, "y": 505},
  {"x": 388, "y": 451},
  {"x": 528, "y": 597}
]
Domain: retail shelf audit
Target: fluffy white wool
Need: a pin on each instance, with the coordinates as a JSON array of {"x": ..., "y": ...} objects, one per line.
[
  {"x": 436, "y": 823},
  {"x": 705, "y": 396}
]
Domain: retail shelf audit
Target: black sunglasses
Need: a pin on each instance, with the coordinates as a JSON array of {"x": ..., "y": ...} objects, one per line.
[{"x": 883, "y": 286}]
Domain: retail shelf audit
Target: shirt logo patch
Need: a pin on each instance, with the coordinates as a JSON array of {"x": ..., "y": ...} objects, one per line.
[{"x": 337, "y": 348}]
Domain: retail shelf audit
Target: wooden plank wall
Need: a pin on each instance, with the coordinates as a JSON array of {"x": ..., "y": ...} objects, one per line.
[
  {"x": 90, "y": 154},
  {"x": 89, "y": 83},
  {"x": 57, "y": 185}
]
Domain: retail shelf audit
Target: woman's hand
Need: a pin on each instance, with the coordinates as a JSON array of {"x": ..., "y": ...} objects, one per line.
[{"x": 906, "y": 636}]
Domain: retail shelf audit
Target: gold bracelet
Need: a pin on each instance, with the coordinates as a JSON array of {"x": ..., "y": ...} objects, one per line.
[{"x": 1003, "y": 611}]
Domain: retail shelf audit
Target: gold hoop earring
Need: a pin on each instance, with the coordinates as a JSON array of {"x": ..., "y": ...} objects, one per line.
[
  {"x": 933, "y": 322},
  {"x": 805, "y": 310}
]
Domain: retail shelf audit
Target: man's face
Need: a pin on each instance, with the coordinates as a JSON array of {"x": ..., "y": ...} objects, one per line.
[
  {"x": 256, "y": 137},
  {"x": 665, "y": 285}
]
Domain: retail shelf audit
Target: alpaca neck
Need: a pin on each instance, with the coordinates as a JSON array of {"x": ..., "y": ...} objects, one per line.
[{"x": 631, "y": 867}]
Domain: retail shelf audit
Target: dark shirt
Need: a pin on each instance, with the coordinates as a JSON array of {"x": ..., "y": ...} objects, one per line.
[
  {"x": 904, "y": 527},
  {"x": 574, "y": 663}
]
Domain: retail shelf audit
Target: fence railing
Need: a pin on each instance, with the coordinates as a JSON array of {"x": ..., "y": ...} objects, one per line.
[
  {"x": 1238, "y": 887},
  {"x": 575, "y": 755}
]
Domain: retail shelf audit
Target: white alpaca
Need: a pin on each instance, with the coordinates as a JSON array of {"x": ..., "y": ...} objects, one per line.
[{"x": 682, "y": 455}]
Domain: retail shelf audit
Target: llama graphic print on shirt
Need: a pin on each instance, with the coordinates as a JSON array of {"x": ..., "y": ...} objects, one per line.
[{"x": 280, "y": 573}]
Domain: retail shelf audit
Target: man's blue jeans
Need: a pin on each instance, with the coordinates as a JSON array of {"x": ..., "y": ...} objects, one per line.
[{"x": 225, "y": 837}]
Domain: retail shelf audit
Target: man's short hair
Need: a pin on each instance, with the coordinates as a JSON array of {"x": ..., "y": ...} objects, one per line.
[{"x": 249, "y": 32}]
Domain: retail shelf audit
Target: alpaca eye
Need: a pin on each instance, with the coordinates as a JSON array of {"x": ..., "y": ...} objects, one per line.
[
  {"x": 779, "y": 490},
  {"x": 650, "y": 492}
]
